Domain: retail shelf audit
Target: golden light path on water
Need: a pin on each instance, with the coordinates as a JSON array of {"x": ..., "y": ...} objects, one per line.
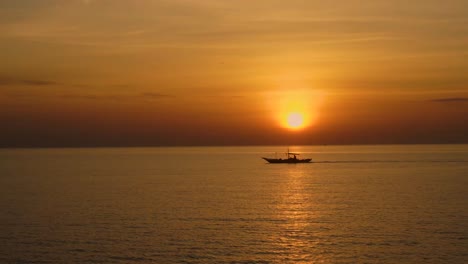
[{"x": 293, "y": 207}]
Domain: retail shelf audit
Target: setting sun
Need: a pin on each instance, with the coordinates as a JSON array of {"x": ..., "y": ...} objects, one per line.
[
  {"x": 295, "y": 109},
  {"x": 295, "y": 120}
]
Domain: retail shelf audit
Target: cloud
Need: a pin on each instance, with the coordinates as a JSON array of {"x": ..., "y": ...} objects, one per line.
[
  {"x": 155, "y": 95},
  {"x": 227, "y": 96},
  {"x": 29, "y": 82},
  {"x": 88, "y": 97},
  {"x": 38, "y": 82},
  {"x": 149, "y": 95},
  {"x": 451, "y": 100}
]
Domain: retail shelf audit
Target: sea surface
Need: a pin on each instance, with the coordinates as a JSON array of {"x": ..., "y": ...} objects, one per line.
[{"x": 354, "y": 204}]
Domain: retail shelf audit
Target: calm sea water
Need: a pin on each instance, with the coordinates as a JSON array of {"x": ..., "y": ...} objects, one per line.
[{"x": 355, "y": 204}]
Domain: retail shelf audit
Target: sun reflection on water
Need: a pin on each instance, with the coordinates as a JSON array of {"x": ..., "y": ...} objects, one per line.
[{"x": 294, "y": 207}]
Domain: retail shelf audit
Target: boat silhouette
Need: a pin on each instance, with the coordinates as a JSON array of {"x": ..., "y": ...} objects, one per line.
[{"x": 291, "y": 158}]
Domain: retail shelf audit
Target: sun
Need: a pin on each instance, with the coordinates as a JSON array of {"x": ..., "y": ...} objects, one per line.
[
  {"x": 294, "y": 109},
  {"x": 295, "y": 120}
]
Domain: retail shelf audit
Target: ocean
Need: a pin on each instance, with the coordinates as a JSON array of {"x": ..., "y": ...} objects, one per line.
[{"x": 354, "y": 204}]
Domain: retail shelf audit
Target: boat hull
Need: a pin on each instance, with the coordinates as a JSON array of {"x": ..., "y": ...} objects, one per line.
[{"x": 287, "y": 160}]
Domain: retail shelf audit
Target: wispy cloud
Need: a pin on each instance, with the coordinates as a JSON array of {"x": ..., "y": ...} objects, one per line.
[
  {"x": 451, "y": 100},
  {"x": 29, "y": 82},
  {"x": 148, "y": 95},
  {"x": 90, "y": 97},
  {"x": 227, "y": 96},
  {"x": 111, "y": 28},
  {"x": 155, "y": 95}
]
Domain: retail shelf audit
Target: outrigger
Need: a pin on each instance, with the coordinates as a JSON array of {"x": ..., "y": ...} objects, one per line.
[{"x": 291, "y": 158}]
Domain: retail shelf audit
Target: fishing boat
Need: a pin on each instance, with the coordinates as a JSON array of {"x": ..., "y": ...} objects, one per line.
[{"x": 291, "y": 158}]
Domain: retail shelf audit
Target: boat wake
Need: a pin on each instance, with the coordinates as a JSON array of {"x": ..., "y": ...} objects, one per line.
[{"x": 391, "y": 161}]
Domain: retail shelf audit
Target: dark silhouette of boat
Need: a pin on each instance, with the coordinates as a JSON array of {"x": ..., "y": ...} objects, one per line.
[{"x": 291, "y": 158}]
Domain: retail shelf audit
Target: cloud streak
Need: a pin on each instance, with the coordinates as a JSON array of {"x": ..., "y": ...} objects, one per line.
[
  {"x": 451, "y": 100},
  {"x": 28, "y": 82},
  {"x": 155, "y": 95},
  {"x": 148, "y": 95}
]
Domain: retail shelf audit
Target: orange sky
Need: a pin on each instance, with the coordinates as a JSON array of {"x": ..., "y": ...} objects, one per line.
[{"x": 214, "y": 72}]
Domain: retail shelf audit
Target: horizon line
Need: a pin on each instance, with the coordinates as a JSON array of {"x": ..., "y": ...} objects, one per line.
[{"x": 227, "y": 145}]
